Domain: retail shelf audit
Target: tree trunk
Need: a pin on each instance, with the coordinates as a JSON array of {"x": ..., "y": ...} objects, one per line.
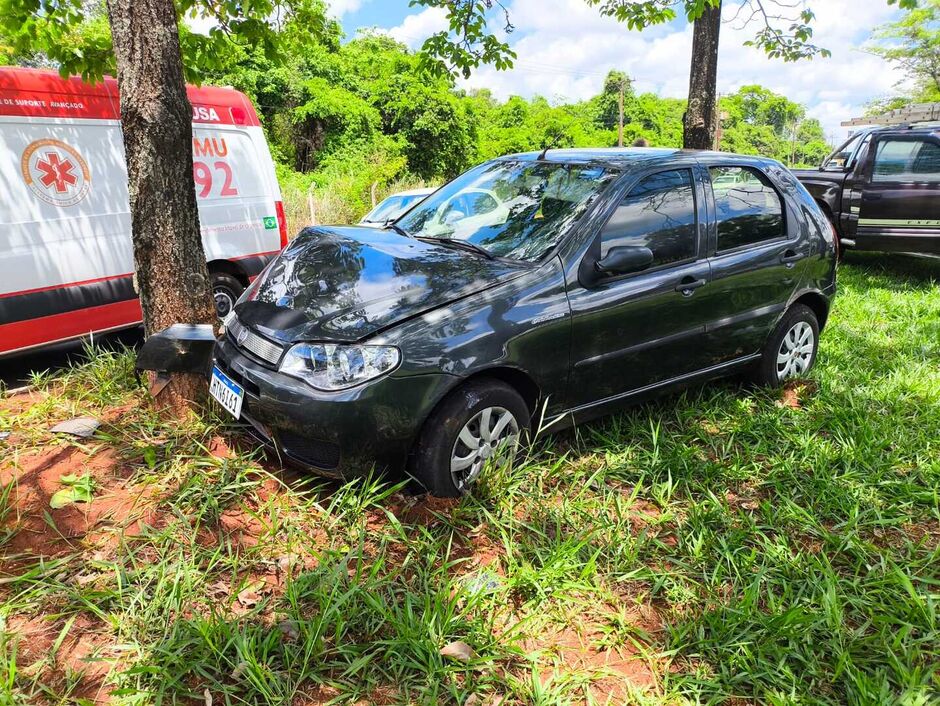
[
  {"x": 156, "y": 119},
  {"x": 701, "y": 117}
]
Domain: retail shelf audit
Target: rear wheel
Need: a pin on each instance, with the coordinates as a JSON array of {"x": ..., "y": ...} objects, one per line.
[
  {"x": 479, "y": 424},
  {"x": 225, "y": 290},
  {"x": 791, "y": 349}
]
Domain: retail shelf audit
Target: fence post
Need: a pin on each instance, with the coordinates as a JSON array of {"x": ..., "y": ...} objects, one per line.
[
  {"x": 311, "y": 204},
  {"x": 372, "y": 189}
]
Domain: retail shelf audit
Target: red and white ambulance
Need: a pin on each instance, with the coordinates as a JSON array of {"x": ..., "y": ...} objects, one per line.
[{"x": 66, "y": 260}]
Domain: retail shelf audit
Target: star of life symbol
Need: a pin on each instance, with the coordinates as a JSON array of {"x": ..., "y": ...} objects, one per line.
[{"x": 55, "y": 172}]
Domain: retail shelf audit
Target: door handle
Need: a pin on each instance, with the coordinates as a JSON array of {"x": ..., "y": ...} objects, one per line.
[
  {"x": 789, "y": 258},
  {"x": 870, "y": 197},
  {"x": 688, "y": 285}
]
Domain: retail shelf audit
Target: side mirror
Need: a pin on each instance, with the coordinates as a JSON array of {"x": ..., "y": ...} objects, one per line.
[{"x": 624, "y": 260}]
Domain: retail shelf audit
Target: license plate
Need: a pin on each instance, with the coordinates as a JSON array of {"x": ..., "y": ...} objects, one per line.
[{"x": 226, "y": 392}]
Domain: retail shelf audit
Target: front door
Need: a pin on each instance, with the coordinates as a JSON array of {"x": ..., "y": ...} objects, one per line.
[
  {"x": 900, "y": 195},
  {"x": 638, "y": 329}
]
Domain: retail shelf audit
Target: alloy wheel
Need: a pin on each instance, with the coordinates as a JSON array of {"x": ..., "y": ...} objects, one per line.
[
  {"x": 493, "y": 432},
  {"x": 796, "y": 351}
]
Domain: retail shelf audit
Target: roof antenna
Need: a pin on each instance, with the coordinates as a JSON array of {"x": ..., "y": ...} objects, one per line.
[{"x": 552, "y": 144}]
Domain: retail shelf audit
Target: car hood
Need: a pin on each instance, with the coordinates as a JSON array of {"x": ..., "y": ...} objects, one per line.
[
  {"x": 345, "y": 283},
  {"x": 817, "y": 175}
]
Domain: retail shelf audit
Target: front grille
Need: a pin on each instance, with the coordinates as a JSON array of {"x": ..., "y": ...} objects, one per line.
[
  {"x": 319, "y": 454},
  {"x": 248, "y": 340}
]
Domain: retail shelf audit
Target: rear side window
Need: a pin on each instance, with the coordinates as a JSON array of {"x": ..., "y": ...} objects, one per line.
[
  {"x": 748, "y": 208},
  {"x": 907, "y": 160},
  {"x": 658, "y": 213}
]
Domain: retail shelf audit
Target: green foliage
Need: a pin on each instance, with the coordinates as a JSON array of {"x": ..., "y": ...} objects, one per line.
[
  {"x": 74, "y": 34},
  {"x": 758, "y": 121},
  {"x": 913, "y": 43}
]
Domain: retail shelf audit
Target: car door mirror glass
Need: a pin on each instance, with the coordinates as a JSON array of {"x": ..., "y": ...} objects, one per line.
[{"x": 624, "y": 259}]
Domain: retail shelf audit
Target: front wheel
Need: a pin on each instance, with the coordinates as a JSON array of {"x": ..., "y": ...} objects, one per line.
[
  {"x": 791, "y": 349},
  {"x": 479, "y": 424}
]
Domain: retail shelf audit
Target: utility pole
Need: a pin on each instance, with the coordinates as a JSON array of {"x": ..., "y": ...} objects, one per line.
[
  {"x": 620, "y": 120},
  {"x": 717, "y": 112}
]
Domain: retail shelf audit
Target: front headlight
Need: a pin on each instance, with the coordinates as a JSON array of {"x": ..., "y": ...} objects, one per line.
[{"x": 328, "y": 366}]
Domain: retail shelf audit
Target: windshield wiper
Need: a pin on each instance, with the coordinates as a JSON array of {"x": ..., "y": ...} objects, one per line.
[
  {"x": 397, "y": 228},
  {"x": 462, "y": 244}
]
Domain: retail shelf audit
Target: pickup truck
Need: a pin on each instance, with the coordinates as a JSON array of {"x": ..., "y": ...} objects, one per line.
[{"x": 881, "y": 189}]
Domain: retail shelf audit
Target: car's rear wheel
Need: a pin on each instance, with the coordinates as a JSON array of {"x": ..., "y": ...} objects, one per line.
[
  {"x": 225, "y": 291},
  {"x": 479, "y": 424},
  {"x": 790, "y": 351}
]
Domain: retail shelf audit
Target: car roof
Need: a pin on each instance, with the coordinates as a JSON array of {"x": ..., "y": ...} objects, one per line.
[
  {"x": 914, "y": 129},
  {"x": 627, "y": 157},
  {"x": 413, "y": 192}
]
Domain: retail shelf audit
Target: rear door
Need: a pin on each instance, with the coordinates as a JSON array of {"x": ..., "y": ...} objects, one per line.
[
  {"x": 636, "y": 330},
  {"x": 900, "y": 194},
  {"x": 756, "y": 257}
]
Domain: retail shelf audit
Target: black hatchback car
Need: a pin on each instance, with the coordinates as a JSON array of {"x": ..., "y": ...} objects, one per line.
[{"x": 534, "y": 289}]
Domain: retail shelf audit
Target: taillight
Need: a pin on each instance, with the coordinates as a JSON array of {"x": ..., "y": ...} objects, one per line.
[{"x": 281, "y": 222}]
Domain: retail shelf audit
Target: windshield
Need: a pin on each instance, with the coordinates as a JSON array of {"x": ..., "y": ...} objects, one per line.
[
  {"x": 391, "y": 207},
  {"x": 516, "y": 210},
  {"x": 844, "y": 156}
]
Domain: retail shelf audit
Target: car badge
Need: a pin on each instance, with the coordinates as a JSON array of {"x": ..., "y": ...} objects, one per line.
[{"x": 242, "y": 336}]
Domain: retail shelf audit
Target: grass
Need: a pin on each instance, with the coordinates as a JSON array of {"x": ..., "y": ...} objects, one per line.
[{"x": 713, "y": 546}]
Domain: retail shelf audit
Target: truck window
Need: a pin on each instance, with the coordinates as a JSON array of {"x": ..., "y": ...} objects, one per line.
[
  {"x": 907, "y": 160},
  {"x": 748, "y": 208}
]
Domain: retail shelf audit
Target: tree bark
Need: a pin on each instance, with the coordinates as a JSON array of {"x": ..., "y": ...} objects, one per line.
[
  {"x": 156, "y": 119},
  {"x": 701, "y": 118}
]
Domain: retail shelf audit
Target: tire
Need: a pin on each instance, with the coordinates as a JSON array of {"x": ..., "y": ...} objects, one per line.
[
  {"x": 225, "y": 290},
  {"x": 772, "y": 370},
  {"x": 459, "y": 419}
]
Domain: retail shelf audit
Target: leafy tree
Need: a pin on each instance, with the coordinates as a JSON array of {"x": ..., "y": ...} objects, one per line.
[
  {"x": 763, "y": 122},
  {"x": 913, "y": 43}
]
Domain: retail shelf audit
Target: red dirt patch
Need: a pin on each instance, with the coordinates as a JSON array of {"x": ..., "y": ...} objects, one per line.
[
  {"x": 85, "y": 649},
  {"x": 612, "y": 671},
  {"x": 37, "y": 477}
]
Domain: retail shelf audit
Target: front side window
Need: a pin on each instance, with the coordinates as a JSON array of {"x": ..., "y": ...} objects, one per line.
[
  {"x": 512, "y": 209},
  {"x": 659, "y": 214},
  {"x": 748, "y": 209},
  {"x": 907, "y": 160}
]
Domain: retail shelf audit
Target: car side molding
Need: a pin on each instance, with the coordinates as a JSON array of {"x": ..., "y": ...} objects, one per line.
[{"x": 703, "y": 373}]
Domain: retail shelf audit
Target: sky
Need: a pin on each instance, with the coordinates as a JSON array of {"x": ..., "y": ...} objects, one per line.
[{"x": 565, "y": 48}]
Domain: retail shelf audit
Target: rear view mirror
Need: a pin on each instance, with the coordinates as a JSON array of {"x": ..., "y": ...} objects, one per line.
[{"x": 624, "y": 260}]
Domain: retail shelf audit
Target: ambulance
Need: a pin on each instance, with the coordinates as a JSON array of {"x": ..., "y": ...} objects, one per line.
[{"x": 66, "y": 259}]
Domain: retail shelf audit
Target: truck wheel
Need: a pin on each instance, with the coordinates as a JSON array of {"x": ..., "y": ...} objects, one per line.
[
  {"x": 225, "y": 290},
  {"x": 479, "y": 423},
  {"x": 790, "y": 350}
]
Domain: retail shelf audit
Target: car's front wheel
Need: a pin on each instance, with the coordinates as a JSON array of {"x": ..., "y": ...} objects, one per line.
[
  {"x": 790, "y": 351},
  {"x": 479, "y": 424}
]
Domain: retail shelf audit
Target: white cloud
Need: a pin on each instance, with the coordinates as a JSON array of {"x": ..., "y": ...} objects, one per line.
[
  {"x": 338, "y": 8},
  {"x": 415, "y": 28},
  {"x": 565, "y": 48}
]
